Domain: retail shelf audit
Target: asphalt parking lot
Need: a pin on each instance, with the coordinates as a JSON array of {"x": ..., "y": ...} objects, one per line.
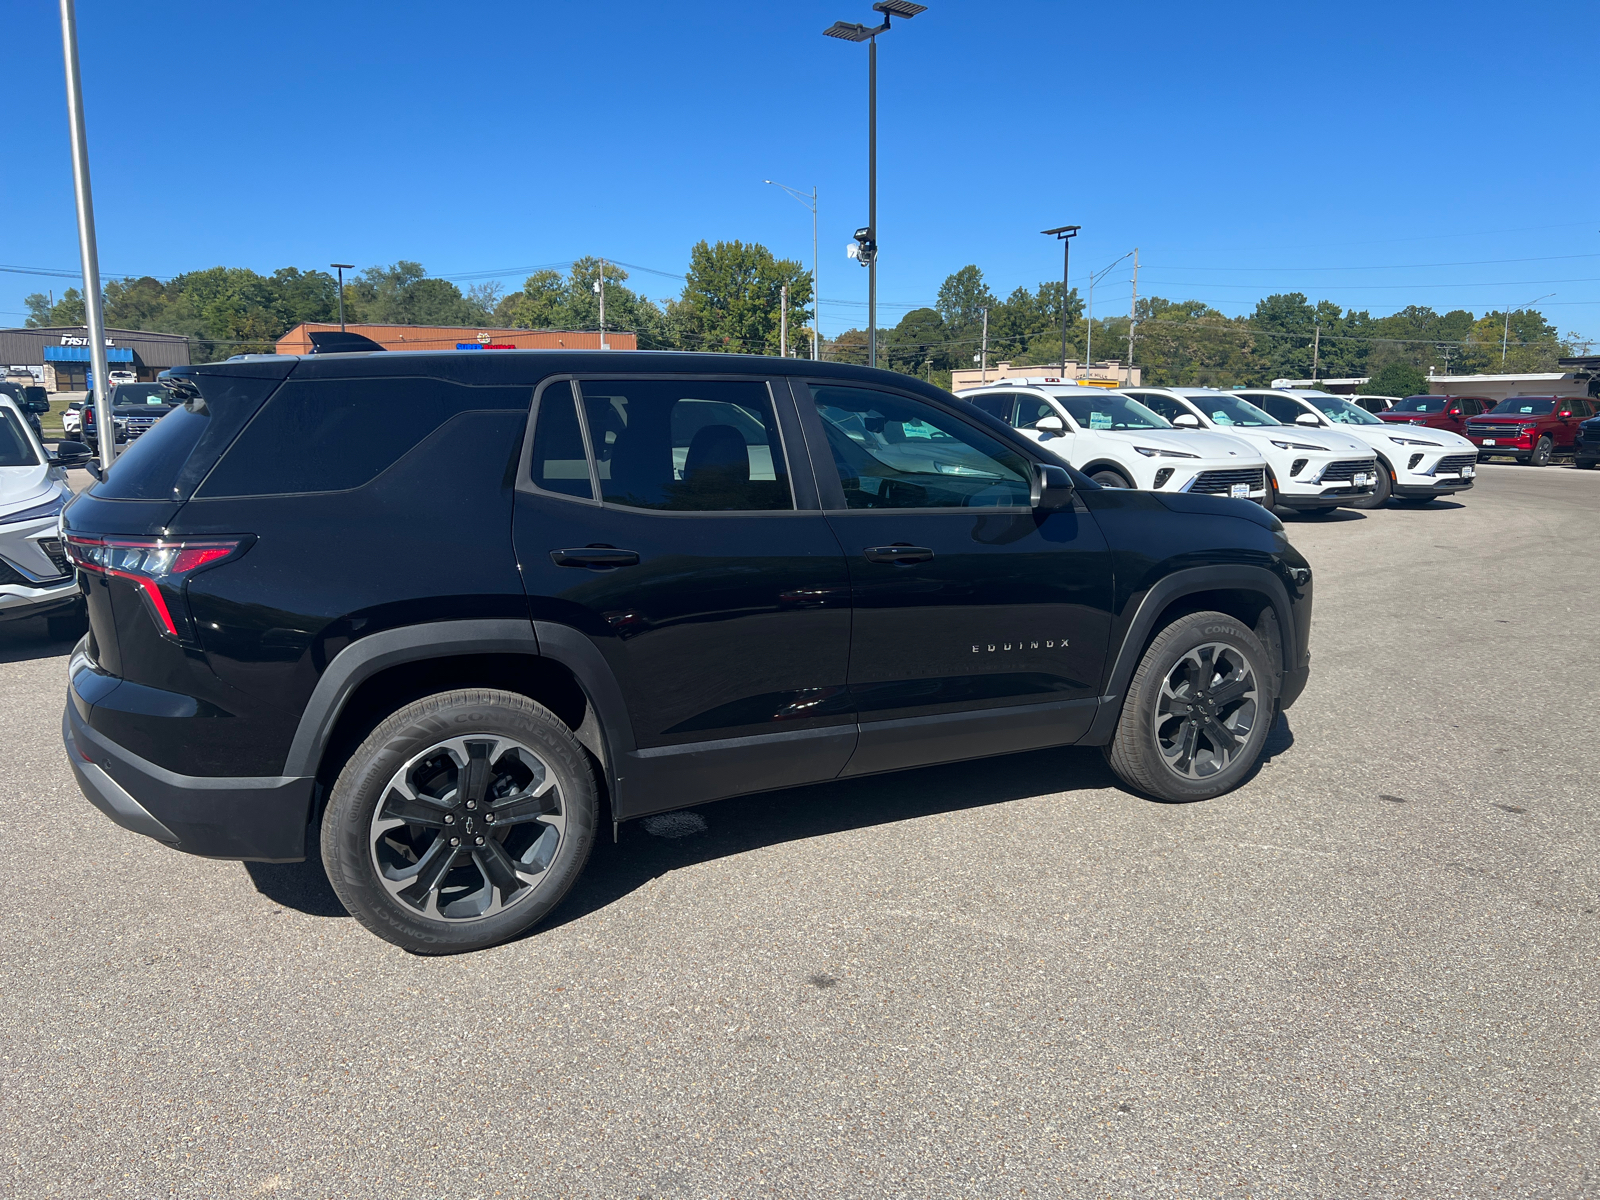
[{"x": 1369, "y": 972}]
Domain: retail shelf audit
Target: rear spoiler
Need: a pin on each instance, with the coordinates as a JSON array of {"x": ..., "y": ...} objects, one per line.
[{"x": 340, "y": 341}]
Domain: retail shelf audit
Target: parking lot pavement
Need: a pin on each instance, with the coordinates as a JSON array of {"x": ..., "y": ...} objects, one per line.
[{"x": 1369, "y": 972}]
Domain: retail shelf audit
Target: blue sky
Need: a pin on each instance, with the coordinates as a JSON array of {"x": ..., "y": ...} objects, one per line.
[{"x": 1376, "y": 155}]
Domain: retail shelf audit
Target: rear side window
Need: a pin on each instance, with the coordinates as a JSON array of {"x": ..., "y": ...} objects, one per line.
[
  {"x": 167, "y": 462},
  {"x": 560, "y": 463},
  {"x": 331, "y": 435},
  {"x": 15, "y": 448}
]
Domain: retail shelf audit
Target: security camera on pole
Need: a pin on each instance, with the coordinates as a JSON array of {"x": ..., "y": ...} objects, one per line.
[{"x": 865, "y": 248}]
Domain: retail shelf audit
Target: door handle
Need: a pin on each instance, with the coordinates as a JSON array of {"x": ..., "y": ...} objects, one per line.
[
  {"x": 595, "y": 557},
  {"x": 899, "y": 553}
]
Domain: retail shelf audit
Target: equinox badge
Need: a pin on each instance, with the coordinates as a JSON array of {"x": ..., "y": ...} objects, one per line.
[{"x": 1032, "y": 644}]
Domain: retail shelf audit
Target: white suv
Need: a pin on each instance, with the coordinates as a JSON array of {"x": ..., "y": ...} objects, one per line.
[
  {"x": 1118, "y": 442},
  {"x": 35, "y": 577},
  {"x": 1315, "y": 472},
  {"x": 1414, "y": 465}
]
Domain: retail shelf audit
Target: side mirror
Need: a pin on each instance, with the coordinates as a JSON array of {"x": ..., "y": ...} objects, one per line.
[
  {"x": 1307, "y": 419},
  {"x": 70, "y": 454},
  {"x": 1566, "y": 415},
  {"x": 1051, "y": 424},
  {"x": 1052, "y": 487},
  {"x": 36, "y": 406},
  {"x": 1186, "y": 421}
]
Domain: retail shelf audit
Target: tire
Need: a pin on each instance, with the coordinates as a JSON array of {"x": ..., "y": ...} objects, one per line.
[
  {"x": 1270, "y": 500},
  {"x": 1106, "y": 477},
  {"x": 460, "y": 898},
  {"x": 1542, "y": 450},
  {"x": 1380, "y": 492},
  {"x": 1161, "y": 748}
]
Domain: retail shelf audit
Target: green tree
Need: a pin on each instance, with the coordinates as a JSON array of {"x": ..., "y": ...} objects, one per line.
[
  {"x": 918, "y": 345},
  {"x": 1188, "y": 343},
  {"x": 68, "y": 310},
  {"x": 1397, "y": 379},
  {"x": 731, "y": 299},
  {"x": 404, "y": 294}
]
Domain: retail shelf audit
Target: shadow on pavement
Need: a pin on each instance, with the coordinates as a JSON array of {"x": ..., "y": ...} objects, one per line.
[
  {"x": 28, "y": 638},
  {"x": 1292, "y": 516},
  {"x": 772, "y": 818},
  {"x": 302, "y": 886}
]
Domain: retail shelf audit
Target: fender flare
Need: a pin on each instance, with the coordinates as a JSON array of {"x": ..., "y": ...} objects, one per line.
[{"x": 1240, "y": 577}]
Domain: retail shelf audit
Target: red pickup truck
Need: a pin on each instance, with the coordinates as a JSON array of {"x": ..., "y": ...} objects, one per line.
[
  {"x": 1437, "y": 412},
  {"x": 1530, "y": 429}
]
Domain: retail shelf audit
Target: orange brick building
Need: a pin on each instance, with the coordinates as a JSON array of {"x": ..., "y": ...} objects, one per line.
[{"x": 449, "y": 337}]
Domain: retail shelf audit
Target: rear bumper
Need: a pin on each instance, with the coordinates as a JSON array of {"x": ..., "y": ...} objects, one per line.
[{"x": 259, "y": 819}]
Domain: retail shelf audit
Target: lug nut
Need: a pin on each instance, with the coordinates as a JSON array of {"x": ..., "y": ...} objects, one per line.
[
  {"x": 449, "y": 820},
  {"x": 480, "y": 841},
  {"x": 472, "y": 804},
  {"x": 488, "y": 818},
  {"x": 455, "y": 841}
]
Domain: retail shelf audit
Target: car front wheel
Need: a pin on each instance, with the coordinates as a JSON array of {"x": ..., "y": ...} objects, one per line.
[
  {"x": 460, "y": 822},
  {"x": 1542, "y": 449},
  {"x": 1197, "y": 711},
  {"x": 1106, "y": 477}
]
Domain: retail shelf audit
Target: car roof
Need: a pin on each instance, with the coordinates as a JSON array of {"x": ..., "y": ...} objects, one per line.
[{"x": 1042, "y": 384}]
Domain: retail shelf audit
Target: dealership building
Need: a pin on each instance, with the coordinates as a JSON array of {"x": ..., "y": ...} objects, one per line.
[{"x": 59, "y": 356}]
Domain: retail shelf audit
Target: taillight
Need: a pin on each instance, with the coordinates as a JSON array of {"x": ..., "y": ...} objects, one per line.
[{"x": 159, "y": 566}]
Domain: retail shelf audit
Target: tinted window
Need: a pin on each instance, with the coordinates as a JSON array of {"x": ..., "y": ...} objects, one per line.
[
  {"x": 1421, "y": 404},
  {"x": 686, "y": 445},
  {"x": 998, "y": 405},
  {"x": 333, "y": 435},
  {"x": 15, "y": 448},
  {"x": 1526, "y": 407},
  {"x": 1031, "y": 410},
  {"x": 1110, "y": 411},
  {"x": 167, "y": 462},
  {"x": 893, "y": 452},
  {"x": 1285, "y": 408},
  {"x": 140, "y": 393},
  {"x": 1162, "y": 406},
  {"x": 560, "y": 463}
]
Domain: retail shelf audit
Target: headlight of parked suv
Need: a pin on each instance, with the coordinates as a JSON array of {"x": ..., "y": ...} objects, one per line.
[
  {"x": 1295, "y": 445},
  {"x": 1152, "y": 452},
  {"x": 1412, "y": 441},
  {"x": 50, "y": 508}
]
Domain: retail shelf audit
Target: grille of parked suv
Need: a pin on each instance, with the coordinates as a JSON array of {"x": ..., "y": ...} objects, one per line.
[
  {"x": 1452, "y": 463},
  {"x": 1220, "y": 483},
  {"x": 138, "y": 425},
  {"x": 1494, "y": 431},
  {"x": 1344, "y": 470}
]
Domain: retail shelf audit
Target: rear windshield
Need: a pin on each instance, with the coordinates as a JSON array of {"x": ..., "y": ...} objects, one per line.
[
  {"x": 16, "y": 449},
  {"x": 1110, "y": 412},
  {"x": 169, "y": 461},
  {"x": 1526, "y": 407},
  {"x": 1422, "y": 404}
]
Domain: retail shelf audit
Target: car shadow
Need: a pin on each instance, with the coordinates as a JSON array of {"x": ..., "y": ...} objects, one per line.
[
  {"x": 1293, "y": 516},
  {"x": 302, "y": 886},
  {"x": 28, "y": 639},
  {"x": 1430, "y": 506}
]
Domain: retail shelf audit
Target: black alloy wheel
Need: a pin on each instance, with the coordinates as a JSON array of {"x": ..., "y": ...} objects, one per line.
[
  {"x": 1542, "y": 450},
  {"x": 1197, "y": 711},
  {"x": 460, "y": 822},
  {"x": 1106, "y": 477}
]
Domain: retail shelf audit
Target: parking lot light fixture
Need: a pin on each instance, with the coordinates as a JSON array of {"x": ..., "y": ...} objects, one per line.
[
  {"x": 1065, "y": 233},
  {"x": 867, "y": 238},
  {"x": 341, "y": 268}
]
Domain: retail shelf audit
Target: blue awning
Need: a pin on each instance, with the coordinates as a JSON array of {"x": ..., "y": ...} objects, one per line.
[{"x": 81, "y": 354}]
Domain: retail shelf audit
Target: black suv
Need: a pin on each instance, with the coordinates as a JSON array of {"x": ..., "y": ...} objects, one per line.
[{"x": 445, "y": 611}]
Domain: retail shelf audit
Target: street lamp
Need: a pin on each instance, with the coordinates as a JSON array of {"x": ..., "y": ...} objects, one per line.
[
  {"x": 1506, "y": 332},
  {"x": 810, "y": 201},
  {"x": 1065, "y": 234},
  {"x": 866, "y": 248},
  {"x": 1094, "y": 278},
  {"x": 342, "y": 268}
]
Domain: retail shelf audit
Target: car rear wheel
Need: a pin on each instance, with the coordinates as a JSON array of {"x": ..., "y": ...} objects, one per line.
[
  {"x": 1381, "y": 491},
  {"x": 1197, "y": 711},
  {"x": 1106, "y": 477},
  {"x": 1542, "y": 449},
  {"x": 460, "y": 822}
]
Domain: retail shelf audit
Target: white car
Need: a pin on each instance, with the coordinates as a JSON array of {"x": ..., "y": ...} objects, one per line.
[
  {"x": 1311, "y": 472},
  {"x": 35, "y": 578},
  {"x": 72, "y": 420},
  {"x": 1118, "y": 442},
  {"x": 1415, "y": 465}
]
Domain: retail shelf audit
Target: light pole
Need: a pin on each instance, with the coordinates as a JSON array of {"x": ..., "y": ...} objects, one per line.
[
  {"x": 1088, "y": 349},
  {"x": 816, "y": 302},
  {"x": 1065, "y": 234},
  {"x": 866, "y": 247},
  {"x": 983, "y": 366},
  {"x": 342, "y": 268},
  {"x": 94, "y": 316},
  {"x": 1506, "y": 332}
]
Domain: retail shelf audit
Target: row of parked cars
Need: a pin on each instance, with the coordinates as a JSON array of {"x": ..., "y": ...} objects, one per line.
[{"x": 1529, "y": 429}]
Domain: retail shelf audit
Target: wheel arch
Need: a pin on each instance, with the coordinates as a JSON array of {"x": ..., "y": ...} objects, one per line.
[
  {"x": 1251, "y": 594},
  {"x": 1097, "y": 464}
]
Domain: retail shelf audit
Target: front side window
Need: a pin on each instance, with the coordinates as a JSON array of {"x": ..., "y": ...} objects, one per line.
[
  {"x": 895, "y": 452},
  {"x": 1031, "y": 410},
  {"x": 1110, "y": 411},
  {"x": 1342, "y": 412},
  {"x": 687, "y": 445},
  {"x": 16, "y": 450},
  {"x": 1285, "y": 408},
  {"x": 1163, "y": 406}
]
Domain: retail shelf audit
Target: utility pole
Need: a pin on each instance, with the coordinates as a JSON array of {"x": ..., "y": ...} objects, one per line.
[
  {"x": 810, "y": 201},
  {"x": 783, "y": 322},
  {"x": 1316, "y": 346},
  {"x": 341, "y": 268},
  {"x": 984, "y": 372},
  {"x": 88, "y": 250},
  {"x": 600, "y": 290},
  {"x": 1133, "y": 312}
]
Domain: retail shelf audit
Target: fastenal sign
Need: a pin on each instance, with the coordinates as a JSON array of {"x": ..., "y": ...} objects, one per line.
[{"x": 68, "y": 339}]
